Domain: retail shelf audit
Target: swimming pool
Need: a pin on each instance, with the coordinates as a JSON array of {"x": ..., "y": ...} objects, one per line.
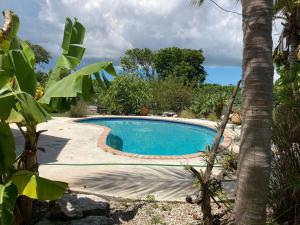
[{"x": 155, "y": 137}]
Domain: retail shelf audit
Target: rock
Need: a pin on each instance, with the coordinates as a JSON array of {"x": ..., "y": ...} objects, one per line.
[
  {"x": 93, "y": 220},
  {"x": 49, "y": 222},
  {"x": 238, "y": 129},
  {"x": 229, "y": 126},
  {"x": 189, "y": 199},
  {"x": 89, "y": 220},
  {"x": 169, "y": 114},
  {"x": 73, "y": 206}
]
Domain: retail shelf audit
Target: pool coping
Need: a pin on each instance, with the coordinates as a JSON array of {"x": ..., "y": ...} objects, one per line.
[{"x": 103, "y": 136}]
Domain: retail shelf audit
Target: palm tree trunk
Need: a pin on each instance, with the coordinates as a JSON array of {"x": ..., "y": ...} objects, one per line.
[{"x": 255, "y": 147}]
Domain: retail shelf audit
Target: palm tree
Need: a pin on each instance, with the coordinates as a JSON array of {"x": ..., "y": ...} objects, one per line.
[
  {"x": 289, "y": 12},
  {"x": 257, "y": 87},
  {"x": 289, "y": 42},
  {"x": 255, "y": 147}
]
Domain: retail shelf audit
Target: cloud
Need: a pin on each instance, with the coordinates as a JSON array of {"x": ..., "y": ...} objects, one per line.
[{"x": 116, "y": 25}]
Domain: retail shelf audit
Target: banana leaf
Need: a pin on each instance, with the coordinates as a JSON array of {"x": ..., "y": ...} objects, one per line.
[
  {"x": 76, "y": 84},
  {"x": 8, "y": 197},
  {"x": 33, "y": 186},
  {"x": 7, "y": 148}
]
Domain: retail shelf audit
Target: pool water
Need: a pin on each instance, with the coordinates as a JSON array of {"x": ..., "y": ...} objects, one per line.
[{"x": 155, "y": 137}]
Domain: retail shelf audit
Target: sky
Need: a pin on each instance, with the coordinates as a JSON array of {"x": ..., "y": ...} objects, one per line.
[{"x": 112, "y": 26}]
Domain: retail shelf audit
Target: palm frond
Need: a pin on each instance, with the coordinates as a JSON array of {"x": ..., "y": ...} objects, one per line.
[{"x": 197, "y": 2}]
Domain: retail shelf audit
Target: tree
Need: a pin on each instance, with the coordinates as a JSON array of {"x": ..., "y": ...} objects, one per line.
[
  {"x": 185, "y": 63},
  {"x": 17, "y": 105},
  {"x": 287, "y": 51},
  {"x": 18, "y": 179},
  {"x": 209, "y": 185},
  {"x": 255, "y": 147},
  {"x": 42, "y": 56},
  {"x": 289, "y": 12},
  {"x": 140, "y": 62},
  {"x": 284, "y": 188}
]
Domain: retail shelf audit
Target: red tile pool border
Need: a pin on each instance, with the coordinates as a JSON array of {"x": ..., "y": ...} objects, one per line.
[{"x": 102, "y": 139}]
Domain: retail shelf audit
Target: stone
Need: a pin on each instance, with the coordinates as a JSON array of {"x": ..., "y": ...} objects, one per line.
[
  {"x": 189, "y": 199},
  {"x": 93, "y": 220},
  {"x": 238, "y": 129},
  {"x": 73, "y": 206},
  {"x": 229, "y": 126},
  {"x": 89, "y": 220},
  {"x": 50, "y": 222},
  {"x": 169, "y": 114},
  {"x": 92, "y": 109}
]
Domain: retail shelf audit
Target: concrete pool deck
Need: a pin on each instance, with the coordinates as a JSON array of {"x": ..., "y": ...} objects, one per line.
[{"x": 72, "y": 155}]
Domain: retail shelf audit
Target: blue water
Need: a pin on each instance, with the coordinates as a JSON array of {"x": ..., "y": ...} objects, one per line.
[{"x": 153, "y": 137}]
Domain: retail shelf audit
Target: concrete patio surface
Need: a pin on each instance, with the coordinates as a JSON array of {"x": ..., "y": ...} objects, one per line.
[{"x": 72, "y": 156}]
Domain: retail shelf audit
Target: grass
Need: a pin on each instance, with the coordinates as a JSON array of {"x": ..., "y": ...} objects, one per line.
[{"x": 150, "y": 198}]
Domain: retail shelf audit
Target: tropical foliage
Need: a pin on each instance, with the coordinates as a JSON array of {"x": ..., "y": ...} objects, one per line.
[
  {"x": 61, "y": 92},
  {"x": 42, "y": 56},
  {"x": 284, "y": 186},
  {"x": 212, "y": 98},
  {"x": 126, "y": 95},
  {"x": 285, "y": 182},
  {"x": 287, "y": 52},
  {"x": 17, "y": 104},
  {"x": 18, "y": 177},
  {"x": 178, "y": 62},
  {"x": 185, "y": 63},
  {"x": 171, "y": 94},
  {"x": 140, "y": 62}
]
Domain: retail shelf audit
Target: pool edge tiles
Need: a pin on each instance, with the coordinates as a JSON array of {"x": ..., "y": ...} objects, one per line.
[{"x": 102, "y": 140}]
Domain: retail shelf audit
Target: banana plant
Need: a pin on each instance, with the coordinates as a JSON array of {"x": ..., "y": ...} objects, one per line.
[
  {"x": 18, "y": 105},
  {"x": 60, "y": 92},
  {"x": 20, "y": 184}
]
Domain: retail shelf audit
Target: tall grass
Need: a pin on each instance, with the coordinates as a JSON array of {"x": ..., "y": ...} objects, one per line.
[
  {"x": 78, "y": 110},
  {"x": 285, "y": 175}
]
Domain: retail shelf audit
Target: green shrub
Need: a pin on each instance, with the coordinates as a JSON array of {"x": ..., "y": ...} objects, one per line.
[
  {"x": 150, "y": 198},
  {"x": 213, "y": 117},
  {"x": 171, "y": 94},
  {"x": 212, "y": 99},
  {"x": 126, "y": 95},
  {"x": 78, "y": 110},
  {"x": 229, "y": 162},
  {"x": 285, "y": 179},
  {"x": 187, "y": 114}
]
